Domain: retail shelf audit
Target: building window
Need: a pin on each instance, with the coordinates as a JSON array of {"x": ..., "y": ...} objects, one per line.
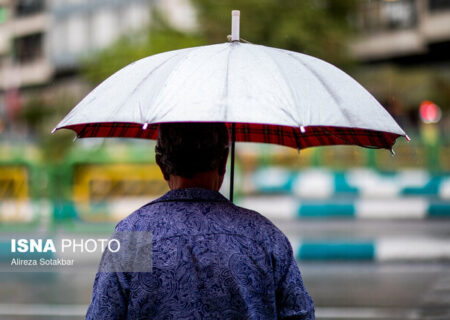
[
  {"x": 28, "y": 48},
  {"x": 27, "y": 7},
  {"x": 383, "y": 15},
  {"x": 437, "y": 5}
]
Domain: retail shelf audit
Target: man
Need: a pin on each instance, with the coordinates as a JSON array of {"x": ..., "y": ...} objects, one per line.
[{"x": 211, "y": 258}]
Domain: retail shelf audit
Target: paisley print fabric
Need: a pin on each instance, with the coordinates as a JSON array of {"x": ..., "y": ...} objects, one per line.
[{"x": 211, "y": 260}]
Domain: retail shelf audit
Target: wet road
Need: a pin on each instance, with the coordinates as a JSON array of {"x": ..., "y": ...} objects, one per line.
[
  {"x": 380, "y": 291},
  {"x": 319, "y": 229},
  {"x": 340, "y": 291}
]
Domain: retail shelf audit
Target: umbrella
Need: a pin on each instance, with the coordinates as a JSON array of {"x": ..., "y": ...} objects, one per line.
[{"x": 263, "y": 94}]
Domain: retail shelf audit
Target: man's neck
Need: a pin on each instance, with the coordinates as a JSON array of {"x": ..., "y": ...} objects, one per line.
[{"x": 206, "y": 180}]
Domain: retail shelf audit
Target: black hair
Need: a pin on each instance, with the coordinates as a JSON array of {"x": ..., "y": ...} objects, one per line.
[{"x": 185, "y": 149}]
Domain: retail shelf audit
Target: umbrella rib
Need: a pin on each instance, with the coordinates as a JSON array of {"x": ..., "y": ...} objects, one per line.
[
  {"x": 167, "y": 79},
  {"x": 225, "y": 89},
  {"x": 330, "y": 91},
  {"x": 296, "y": 138},
  {"x": 267, "y": 53},
  {"x": 327, "y": 88},
  {"x": 146, "y": 77}
]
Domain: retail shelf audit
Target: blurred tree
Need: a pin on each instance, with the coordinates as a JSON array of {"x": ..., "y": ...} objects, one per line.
[
  {"x": 158, "y": 37},
  {"x": 441, "y": 95},
  {"x": 33, "y": 114},
  {"x": 317, "y": 27},
  {"x": 412, "y": 84},
  {"x": 39, "y": 114}
]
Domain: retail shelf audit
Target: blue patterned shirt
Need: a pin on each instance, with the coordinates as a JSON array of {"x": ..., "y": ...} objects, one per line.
[{"x": 211, "y": 260}]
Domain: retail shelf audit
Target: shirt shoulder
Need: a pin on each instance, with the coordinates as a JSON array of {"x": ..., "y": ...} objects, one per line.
[{"x": 179, "y": 218}]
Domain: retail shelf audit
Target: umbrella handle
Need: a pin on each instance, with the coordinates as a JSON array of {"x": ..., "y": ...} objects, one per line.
[{"x": 233, "y": 139}]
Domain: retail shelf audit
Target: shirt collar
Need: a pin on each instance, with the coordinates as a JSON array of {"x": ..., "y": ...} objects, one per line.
[{"x": 192, "y": 194}]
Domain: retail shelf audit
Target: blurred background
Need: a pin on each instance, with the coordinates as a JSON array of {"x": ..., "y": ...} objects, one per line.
[{"x": 371, "y": 231}]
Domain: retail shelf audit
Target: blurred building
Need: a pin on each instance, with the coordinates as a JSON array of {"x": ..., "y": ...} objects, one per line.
[
  {"x": 22, "y": 43},
  {"x": 79, "y": 27},
  {"x": 39, "y": 38},
  {"x": 43, "y": 41},
  {"x": 406, "y": 31}
]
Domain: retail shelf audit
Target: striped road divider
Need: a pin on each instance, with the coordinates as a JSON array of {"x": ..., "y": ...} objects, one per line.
[
  {"x": 323, "y": 183},
  {"x": 379, "y": 250},
  {"x": 289, "y": 207}
]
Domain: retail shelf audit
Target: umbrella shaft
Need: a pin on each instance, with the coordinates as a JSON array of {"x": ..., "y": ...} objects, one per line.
[{"x": 233, "y": 139}]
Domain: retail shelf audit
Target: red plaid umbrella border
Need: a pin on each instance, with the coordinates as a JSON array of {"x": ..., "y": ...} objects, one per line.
[{"x": 252, "y": 132}]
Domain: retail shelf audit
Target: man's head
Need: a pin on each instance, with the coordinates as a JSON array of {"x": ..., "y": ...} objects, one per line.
[{"x": 188, "y": 150}]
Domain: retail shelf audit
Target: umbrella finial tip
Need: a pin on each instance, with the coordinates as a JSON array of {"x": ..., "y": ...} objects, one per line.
[
  {"x": 53, "y": 131},
  {"x": 407, "y": 138},
  {"x": 235, "y": 15},
  {"x": 145, "y": 126}
]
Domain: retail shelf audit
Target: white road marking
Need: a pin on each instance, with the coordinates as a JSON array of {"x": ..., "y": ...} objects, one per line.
[
  {"x": 391, "y": 208},
  {"x": 367, "y": 313},
  {"x": 314, "y": 184},
  {"x": 274, "y": 207},
  {"x": 413, "y": 249}
]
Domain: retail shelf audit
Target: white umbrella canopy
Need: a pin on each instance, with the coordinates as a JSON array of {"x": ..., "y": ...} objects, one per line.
[
  {"x": 234, "y": 83},
  {"x": 263, "y": 94}
]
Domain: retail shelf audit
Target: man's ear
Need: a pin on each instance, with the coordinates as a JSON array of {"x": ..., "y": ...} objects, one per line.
[{"x": 161, "y": 167}]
